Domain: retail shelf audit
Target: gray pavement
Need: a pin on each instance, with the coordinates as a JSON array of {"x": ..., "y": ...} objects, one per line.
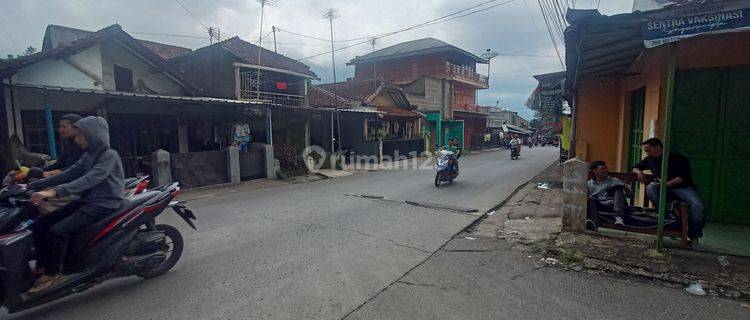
[
  {"x": 320, "y": 251},
  {"x": 304, "y": 251}
]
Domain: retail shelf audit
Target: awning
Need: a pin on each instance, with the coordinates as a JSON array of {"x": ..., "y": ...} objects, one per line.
[{"x": 598, "y": 45}]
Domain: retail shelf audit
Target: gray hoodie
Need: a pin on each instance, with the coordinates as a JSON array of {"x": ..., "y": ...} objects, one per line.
[{"x": 97, "y": 176}]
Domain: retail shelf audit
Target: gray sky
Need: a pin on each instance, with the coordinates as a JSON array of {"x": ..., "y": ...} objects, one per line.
[{"x": 514, "y": 28}]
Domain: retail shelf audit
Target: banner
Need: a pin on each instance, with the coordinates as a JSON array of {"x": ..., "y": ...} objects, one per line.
[{"x": 675, "y": 25}]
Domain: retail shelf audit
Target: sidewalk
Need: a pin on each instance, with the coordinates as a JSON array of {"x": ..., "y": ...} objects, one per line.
[
  {"x": 495, "y": 270},
  {"x": 531, "y": 219}
]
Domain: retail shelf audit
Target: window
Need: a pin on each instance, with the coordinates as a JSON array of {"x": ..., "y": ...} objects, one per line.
[{"x": 123, "y": 79}]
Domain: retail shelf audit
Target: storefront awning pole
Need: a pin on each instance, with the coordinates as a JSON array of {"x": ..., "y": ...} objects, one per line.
[
  {"x": 50, "y": 131},
  {"x": 667, "y": 143}
]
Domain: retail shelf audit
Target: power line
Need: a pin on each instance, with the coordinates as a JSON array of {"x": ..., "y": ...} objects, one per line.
[
  {"x": 8, "y": 34},
  {"x": 420, "y": 25},
  {"x": 426, "y": 23},
  {"x": 191, "y": 14},
  {"x": 549, "y": 30}
]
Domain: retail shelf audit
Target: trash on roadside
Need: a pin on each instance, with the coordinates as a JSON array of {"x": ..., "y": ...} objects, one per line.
[
  {"x": 723, "y": 261},
  {"x": 577, "y": 268},
  {"x": 550, "y": 261},
  {"x": 527, "y": 218},
  {"x": 542, "y": 185},
  {"x": 491, "y": 213},
  {"x": 470, "y": 238},
  {"x": 696, "y": 288}
]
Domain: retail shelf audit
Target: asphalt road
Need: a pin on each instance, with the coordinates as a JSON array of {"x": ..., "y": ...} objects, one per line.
[{"x": 305, "y": 251}]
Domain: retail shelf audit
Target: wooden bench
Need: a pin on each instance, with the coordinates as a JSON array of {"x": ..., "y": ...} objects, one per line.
[{"x": 680, "y": 210}]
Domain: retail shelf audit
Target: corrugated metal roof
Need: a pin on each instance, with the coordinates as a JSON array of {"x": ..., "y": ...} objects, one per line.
[
  {"x": 412, "y": 48},
  {"x": 598, "y": 45}
]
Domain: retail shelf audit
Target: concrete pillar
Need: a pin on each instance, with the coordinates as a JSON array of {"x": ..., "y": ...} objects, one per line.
[
  {"x": 270, "y": 160},
  {"x": 233, "y": 165},
  {"x": 380, "y": 150},
  {"x": 182, "y": 138},
  {"x": 575, "y": 194},
  {"x": 161, "y": 168}
]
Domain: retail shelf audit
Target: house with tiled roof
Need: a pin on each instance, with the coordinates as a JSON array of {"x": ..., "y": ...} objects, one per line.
[
  {"x": 149, "y": 104},
  {"x": 399, "y": 126},
  {"x": 440, "y": 79},
  {"x": 237, "y": 69}
]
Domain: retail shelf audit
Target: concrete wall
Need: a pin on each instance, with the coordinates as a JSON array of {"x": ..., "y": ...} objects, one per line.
[{"x": 144, "y": 78}]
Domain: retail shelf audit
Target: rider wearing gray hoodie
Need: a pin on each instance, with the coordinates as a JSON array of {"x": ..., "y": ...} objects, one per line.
[{"x": 97, "y": 177}]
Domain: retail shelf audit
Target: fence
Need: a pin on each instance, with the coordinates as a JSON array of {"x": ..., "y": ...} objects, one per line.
[
  {"x": 253, "y": 162},
  {"x": 197, "y": 169},
  {"x": 402, "y": 148}
]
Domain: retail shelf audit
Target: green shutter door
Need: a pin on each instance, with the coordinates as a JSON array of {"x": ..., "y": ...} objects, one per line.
[
  {"x": 637, "y": 106},
  {"x": 697, "y": 128},
  {"x": 734, "y": 187}
]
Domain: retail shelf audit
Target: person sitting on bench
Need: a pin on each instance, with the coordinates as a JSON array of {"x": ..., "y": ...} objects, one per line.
[
  {"x": 606, "y": 194},
  {"x": 680, "y": 186}
]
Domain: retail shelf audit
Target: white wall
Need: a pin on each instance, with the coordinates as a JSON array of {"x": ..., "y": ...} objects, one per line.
[
  {"x": 115, "y": 54},
  {"x": 60, "y": 73}
]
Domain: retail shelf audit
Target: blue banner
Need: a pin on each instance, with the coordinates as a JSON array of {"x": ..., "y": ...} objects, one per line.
[{"x": 664, "y": 29}]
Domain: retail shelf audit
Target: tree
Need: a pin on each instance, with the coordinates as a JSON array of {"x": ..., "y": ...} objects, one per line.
[{"x": 29, "y": 51}]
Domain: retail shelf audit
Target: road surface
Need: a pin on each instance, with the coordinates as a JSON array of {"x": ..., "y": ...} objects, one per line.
[{"x": 316, "y": 250}]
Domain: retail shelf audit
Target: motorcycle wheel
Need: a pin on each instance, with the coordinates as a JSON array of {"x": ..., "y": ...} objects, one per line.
[
  {"x": 174, "y": 252},
  {"x": 437, "y": 180}
]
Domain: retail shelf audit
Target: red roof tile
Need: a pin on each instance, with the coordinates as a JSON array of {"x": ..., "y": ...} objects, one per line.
[{"x": 165, "y": 51}]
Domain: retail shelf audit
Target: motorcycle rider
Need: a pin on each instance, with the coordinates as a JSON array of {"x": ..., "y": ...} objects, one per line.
[
  {"x": 71, "y": 152},
  {"x": 452, "y": 146},
  {"x": 516, "y": 142},
  {"x": 97, "y": 177}
]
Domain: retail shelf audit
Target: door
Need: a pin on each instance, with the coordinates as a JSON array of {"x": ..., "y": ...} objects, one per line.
[
  {"x": 697, "y": 127},
  {"x": 709, "y": 126},
  {"x": 637, "y": 106},
  {"x": 733, "y": 198}
]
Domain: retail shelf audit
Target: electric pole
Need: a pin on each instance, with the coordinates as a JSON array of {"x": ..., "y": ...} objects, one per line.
[
  {"x": 273, "y": 29},
  {"x": 329, "y": 15},
  {"x": 263, "y": 4}
]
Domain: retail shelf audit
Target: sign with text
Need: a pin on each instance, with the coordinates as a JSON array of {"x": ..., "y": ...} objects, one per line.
[{"x": 675, "y": 25}]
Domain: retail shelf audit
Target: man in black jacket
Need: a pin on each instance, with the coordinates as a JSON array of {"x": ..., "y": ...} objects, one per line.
[
  {"x": 97, "y": 177},
  {"x": 70, "y": 152}
]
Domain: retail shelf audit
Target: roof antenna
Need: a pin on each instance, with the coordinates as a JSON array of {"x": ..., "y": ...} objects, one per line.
[{"x": 214, "y": 33}]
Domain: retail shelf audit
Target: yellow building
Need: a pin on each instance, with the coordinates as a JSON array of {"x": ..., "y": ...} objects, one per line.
[{"x": 618, "y": 74}]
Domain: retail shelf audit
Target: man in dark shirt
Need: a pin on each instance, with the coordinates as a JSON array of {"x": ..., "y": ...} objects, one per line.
[
  {"x": 679, "y": 183},
  {"x": 71, "y": 152}
]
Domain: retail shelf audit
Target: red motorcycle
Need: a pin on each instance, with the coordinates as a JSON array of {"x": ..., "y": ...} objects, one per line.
[{"x": 129, "y": 242}]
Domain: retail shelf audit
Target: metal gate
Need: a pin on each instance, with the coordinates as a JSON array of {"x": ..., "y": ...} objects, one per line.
[{"x": 253, "y": 162}]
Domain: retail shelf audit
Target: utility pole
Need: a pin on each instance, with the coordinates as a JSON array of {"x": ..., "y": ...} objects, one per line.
[
  {"x": 273, "y": 29},
  {"x": 329, "y": 15},
  {"x": 263, "y": 4}
]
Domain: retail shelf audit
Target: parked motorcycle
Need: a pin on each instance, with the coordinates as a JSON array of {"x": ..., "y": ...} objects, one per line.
[
  {"x": 129, "y": 242},
  {"x": 447, "y": 170},
  {"x": 515, "y": 152}
]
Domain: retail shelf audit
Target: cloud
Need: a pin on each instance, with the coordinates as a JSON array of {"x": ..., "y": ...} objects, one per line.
[{"x": 514, "y": 28}]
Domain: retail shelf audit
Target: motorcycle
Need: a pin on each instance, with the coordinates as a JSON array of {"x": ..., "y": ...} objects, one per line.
[
  {"x": 128, "y": 242},
  {"x": 446, "y": 167},
  {"x": 515, "y": 152}
]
